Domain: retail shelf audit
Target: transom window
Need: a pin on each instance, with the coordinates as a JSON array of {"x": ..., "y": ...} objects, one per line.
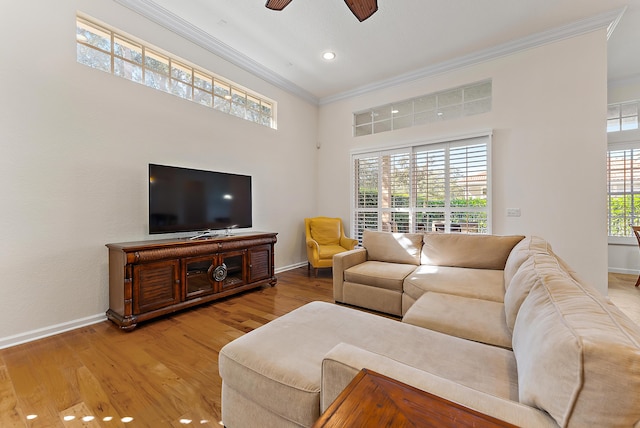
[
  {"x": 622, "y": 116},
  {"x": 445, "y": 105},
  {"x": 103, "y": 49},
  {"x": 439, "y": 187}
]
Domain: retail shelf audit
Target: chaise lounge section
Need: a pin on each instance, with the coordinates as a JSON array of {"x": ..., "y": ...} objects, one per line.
[{"x": 573, "y": 359}]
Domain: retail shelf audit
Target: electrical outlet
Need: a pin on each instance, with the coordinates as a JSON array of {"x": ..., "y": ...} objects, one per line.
[{"x": 513, "y": 212}]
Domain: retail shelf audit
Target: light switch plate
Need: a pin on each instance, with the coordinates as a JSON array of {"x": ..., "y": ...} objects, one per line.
[{"x": 513, "y": 212}]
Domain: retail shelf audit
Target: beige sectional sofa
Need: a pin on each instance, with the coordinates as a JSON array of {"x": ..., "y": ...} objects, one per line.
[{"x": 504, "y": 327}]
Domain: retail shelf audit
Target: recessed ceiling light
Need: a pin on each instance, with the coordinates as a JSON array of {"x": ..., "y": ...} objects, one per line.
[{"x": 329, "y": 56}]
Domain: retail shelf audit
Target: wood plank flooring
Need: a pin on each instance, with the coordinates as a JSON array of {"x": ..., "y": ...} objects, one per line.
[
  {"x": 162, "y": 374},
  {"x": 165, "y": 372}
]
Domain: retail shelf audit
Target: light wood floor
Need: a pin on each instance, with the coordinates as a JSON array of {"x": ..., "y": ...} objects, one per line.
[{"x": 165, "y": 372}]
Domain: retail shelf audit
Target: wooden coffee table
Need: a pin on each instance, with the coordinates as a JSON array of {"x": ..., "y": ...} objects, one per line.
[{"x": 375, "y": 400}]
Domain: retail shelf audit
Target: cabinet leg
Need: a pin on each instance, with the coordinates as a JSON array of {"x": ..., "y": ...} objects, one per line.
[{"x": 126, "y": 323}]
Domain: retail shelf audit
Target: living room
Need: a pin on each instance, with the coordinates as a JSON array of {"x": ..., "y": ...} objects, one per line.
[{"x": 77, "y": 144}]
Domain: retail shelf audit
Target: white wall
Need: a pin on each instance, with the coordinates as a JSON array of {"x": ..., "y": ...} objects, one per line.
[
  {"x": 549, "y": 144},
  {"x": 75, "y": 147},
  {"x": 624, "y": 256}
]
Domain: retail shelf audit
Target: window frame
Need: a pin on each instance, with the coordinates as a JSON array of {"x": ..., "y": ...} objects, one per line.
[
  {"x": 448, "y": 104},
  {"x": 384, "y": 215},
  {"x": 620, "y": 117},
  {"x": 630, "y": 145},
  {"x": 169, "y": 73}
]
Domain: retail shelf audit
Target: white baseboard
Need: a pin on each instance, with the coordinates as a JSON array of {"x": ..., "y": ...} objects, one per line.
[
  {"x": 290, "y": 267},
  {"x": 624, "y": 271},
  {"x": 29, "y": 336}
]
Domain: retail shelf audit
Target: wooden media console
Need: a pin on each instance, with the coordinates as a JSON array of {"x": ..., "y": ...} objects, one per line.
[{"x": 148, "y": 279}]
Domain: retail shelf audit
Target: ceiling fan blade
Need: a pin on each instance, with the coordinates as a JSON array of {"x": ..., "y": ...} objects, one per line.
[
  {"x": 277, "y": 4},
  {"x": 362, "y": 9}
]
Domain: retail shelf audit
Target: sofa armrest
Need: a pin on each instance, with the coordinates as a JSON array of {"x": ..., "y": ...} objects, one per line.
[
  {"x": 344, "y": 361},
  {"x": 341, "y": 262}
]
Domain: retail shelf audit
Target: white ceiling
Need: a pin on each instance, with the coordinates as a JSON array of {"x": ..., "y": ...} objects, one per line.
[{"x": 403, "y": 40}]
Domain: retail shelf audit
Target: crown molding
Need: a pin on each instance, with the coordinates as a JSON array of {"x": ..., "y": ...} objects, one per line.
[
  {"x": 188, "y": 31},
  {"x": 177, "y": 25},
  {"x": 606, "y": 20}
]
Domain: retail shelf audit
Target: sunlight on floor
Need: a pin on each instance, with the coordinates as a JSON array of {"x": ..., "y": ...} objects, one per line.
[{"x": 625, "y": 295}]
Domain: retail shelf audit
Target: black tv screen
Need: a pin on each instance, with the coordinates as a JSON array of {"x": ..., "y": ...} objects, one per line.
[{"x": 186, "y": 200}]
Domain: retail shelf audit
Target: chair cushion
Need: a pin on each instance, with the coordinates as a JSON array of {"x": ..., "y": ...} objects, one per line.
[
  {"x": 325, "y": 231},
  {"x": 328, "y": 251},
  {"x": 392, "y": 247},
  {"x": 470, "y": 251}
]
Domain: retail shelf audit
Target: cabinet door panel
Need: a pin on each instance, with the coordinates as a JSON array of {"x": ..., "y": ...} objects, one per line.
[
  {"x": 234, "y": 264},
  {"x": 198, "y": 272},
  {"x": 259, "y": 263},
  {"x": 155, "y": 285}
]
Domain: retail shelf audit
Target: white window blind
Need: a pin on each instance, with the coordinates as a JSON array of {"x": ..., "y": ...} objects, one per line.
[
  {"x": 623, "y": 188},
  {"x": 442, "y": 187}
]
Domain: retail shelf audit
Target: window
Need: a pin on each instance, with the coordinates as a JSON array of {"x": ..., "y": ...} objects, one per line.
[
  {"x": 622, "y": 116},
  {"x": 106, "y": 50},
  {"x": 445, "y": 105},
  {"x": 623, "y": 188},
  {"x": 440, "y": 187}
]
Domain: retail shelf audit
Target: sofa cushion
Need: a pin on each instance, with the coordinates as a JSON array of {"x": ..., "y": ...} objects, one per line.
[
  {"x": 531, "y": 271},
  {"x": 476, "y": 283},
  {"x": 474, "y": 319},
  {"x": 392, "y": 247},
  {"x": 520, "y": 253},
  {"x": 465, "y": 250},
  {"x": 379, "y": 274},
  {"x": 374, "y": 298},
  {"x": 578, "y": 356},
  {"x": 343, "y": 362},
  {"x": 278, "y": 365}
]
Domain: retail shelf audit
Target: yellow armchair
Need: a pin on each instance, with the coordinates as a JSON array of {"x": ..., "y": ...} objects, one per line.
[{"x": 325, "y": 237}]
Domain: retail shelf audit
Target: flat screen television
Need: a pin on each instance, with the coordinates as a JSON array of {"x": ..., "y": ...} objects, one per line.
[{"x": 192, "y": 200}]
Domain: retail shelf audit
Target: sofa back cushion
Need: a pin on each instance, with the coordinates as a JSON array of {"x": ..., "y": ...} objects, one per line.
[
  {"x": 392, "y": 247},
  {"x": 520, "y": 253},
  {"x": 469, "y": 251},
  {"x": 578, "y": 356},
  {"x": 535, "y": 265}
]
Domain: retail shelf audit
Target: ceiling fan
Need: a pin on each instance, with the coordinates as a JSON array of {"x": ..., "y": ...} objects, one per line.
[{"x": 362, "y": 9}]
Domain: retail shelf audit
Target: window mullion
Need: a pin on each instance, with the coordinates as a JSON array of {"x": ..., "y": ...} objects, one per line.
[{"x": 447, "y": 188}]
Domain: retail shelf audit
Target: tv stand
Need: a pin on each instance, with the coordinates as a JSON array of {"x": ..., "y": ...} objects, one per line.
[{"x": 148, "y": 279}]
